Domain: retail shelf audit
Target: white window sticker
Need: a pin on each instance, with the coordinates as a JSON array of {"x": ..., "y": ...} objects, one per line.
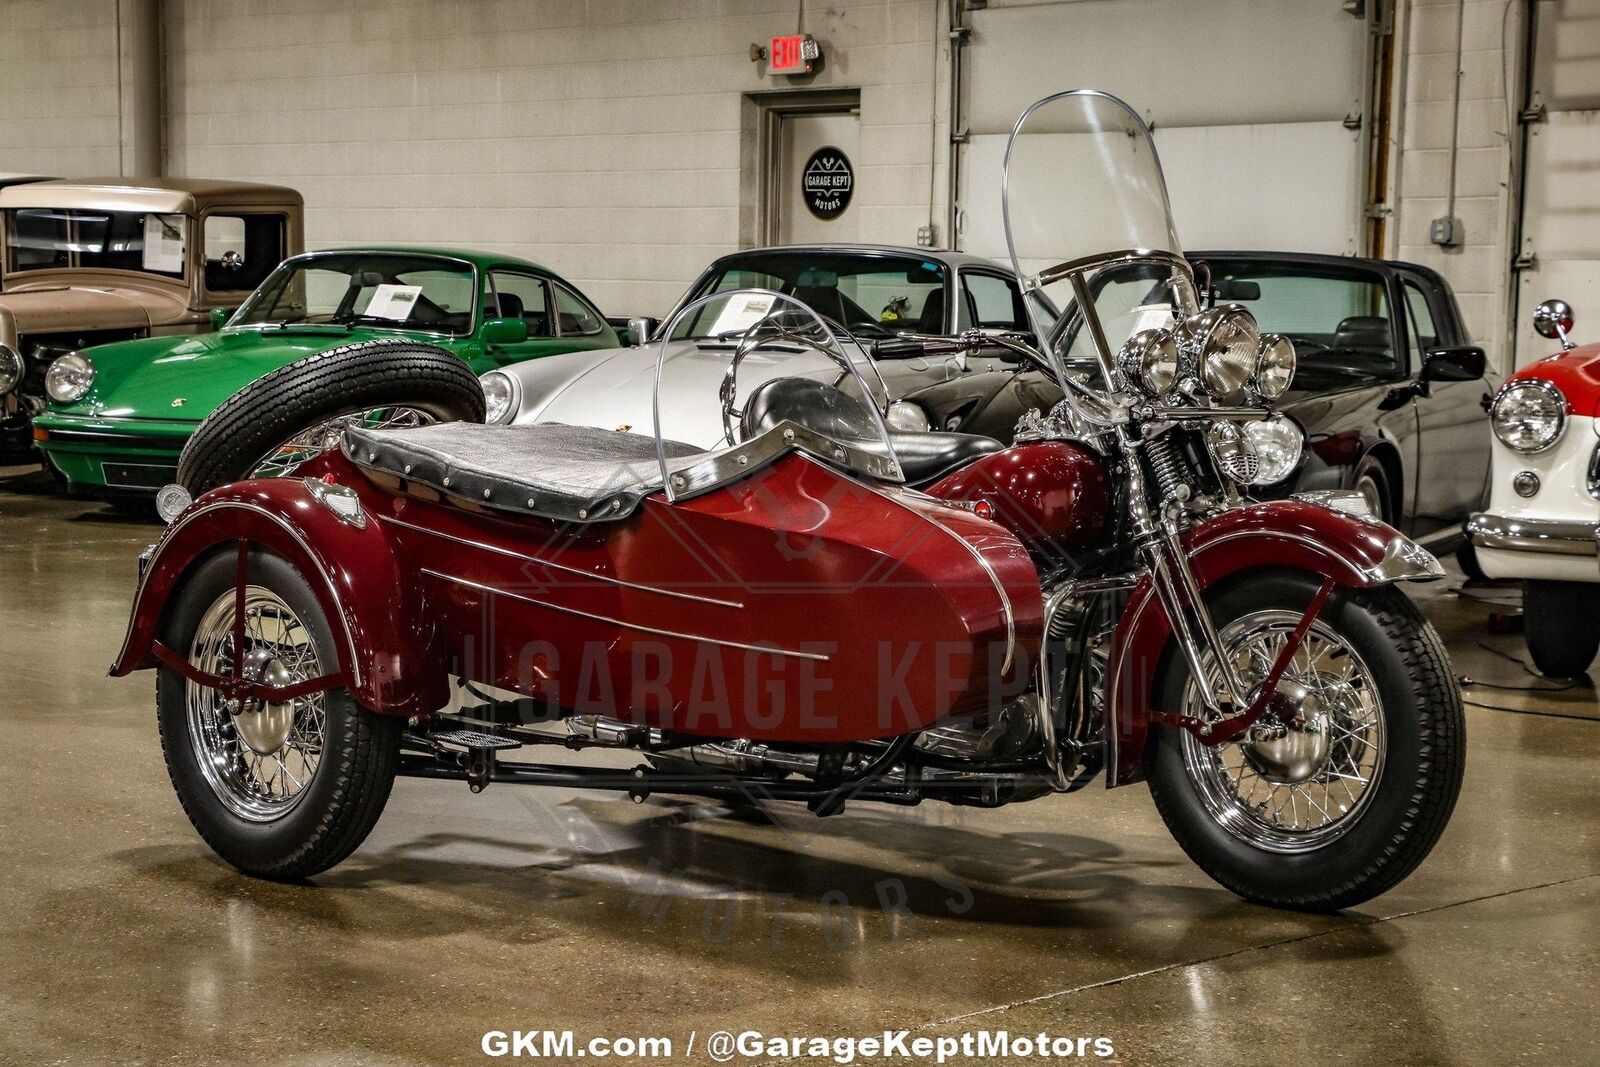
[
  {"x": 393, "y": 302},
  {"x": 163, "y": 243},
  {"x": 740, "y": 313}
]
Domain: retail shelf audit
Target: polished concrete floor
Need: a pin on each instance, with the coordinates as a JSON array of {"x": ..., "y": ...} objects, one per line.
[{"x": 123, "y": 940}]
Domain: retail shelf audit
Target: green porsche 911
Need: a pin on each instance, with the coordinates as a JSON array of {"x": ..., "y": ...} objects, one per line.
[{"x": 119, "y": 414}]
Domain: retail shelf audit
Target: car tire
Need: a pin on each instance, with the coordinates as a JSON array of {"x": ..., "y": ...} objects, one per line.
[
  {"x": 232, "y": 443},
  {"x": 201, "y": 737},
  {"x": 1562, "y": 623},
  {"x": 1418, "y": 758},
  {"x": 1467, "y": 560},
  {"x": 1372, "y": 482}
]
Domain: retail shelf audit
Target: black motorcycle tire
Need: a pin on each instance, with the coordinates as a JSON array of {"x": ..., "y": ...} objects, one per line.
[
  {"x": 235, "y": 438},
  {"x": 1423, "y": 762},
  {"x": 1561, "y": 621},
  {"x": 352, "y": 781}
]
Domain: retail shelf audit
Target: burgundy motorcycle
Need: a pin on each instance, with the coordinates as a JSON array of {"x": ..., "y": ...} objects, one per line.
[{"x": 827, "y": 610}]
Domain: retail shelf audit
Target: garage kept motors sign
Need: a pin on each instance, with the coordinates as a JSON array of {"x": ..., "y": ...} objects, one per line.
[{"x": 827, "y": 182}]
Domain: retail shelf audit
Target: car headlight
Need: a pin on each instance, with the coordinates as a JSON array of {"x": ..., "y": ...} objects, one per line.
[
  {"x": 907, "y": 415},
  {"x": 11, "y": 368},
  {"x": 1275, "y": 367},
  {"x": 69, "y": 378},
  {"x": 499, "y": 396},
  {"x": 1150, "y": 360},
  {"x": 1278, "y": 442},
  {"x": 1227, "y": 341},
  {"x": 1529, "y": 415}
]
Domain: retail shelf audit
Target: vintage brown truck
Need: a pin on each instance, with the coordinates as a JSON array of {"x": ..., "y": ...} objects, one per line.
[{"x": 87, "y": 261}]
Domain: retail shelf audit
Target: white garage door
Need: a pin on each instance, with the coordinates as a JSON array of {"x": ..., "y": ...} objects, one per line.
[
  {"x": 1249, "y": 102},
  {"x": 1561, "y": 218}
]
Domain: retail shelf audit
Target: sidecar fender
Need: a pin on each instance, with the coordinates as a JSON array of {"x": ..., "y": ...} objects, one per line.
[
  {"x": 1293, "y": 534},
  {"x": 388, "y": 652}
]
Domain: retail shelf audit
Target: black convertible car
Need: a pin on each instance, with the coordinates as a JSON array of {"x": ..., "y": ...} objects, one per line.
[{"x": 1390, "y": 389}]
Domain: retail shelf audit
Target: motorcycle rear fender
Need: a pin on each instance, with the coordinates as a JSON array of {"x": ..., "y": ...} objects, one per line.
[
  {"x": 1286, "y": 534},
  {"x": 388, "y": 653}
]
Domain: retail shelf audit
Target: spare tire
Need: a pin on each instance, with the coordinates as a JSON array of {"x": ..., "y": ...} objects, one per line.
[{"x": 297, "y": 412}]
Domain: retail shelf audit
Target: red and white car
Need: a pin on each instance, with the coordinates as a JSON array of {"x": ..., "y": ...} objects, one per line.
[{"x": 1543, "y": 522}]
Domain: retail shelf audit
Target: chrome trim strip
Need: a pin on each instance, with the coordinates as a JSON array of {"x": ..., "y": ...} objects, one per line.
[
  {"x": 560, "y": 566},
  {"x": 491, "y": 590},
  {"x": 988, "y": 569},
  {"x": 184, "y": 520},
  {"x": 1552, "y": 536}
]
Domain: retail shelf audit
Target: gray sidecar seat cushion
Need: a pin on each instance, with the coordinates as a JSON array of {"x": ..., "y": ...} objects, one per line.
[{"x": 570, "y": 473}]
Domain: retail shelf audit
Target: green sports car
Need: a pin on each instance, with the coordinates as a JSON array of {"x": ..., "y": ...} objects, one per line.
[{"x": 119, "y": 414}]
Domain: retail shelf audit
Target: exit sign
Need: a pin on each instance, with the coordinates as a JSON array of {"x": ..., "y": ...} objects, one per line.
[{"x": 793, "y": 54}]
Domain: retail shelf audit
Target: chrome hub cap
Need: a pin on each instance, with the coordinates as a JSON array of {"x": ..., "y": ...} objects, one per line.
[
  {"x": 258, "y": 757},
  {"x": 1290, "y": 748},
  {"x": 264, "y": 726},
  {"x": 1300, "y": 777}
]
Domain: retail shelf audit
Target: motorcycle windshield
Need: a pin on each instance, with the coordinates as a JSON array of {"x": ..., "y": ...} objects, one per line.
[
  {"x": 744, "y": 377},
  {"x": 1086, "y": 214}
]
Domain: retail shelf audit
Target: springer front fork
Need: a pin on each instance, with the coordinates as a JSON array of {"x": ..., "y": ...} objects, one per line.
[{"x": 1231, "y": 703}]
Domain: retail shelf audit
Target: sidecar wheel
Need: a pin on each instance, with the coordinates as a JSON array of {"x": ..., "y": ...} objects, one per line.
[
  {"x": 295, "y": 413},
  {"x": 282, "y": 791},
  {"x": 1347, "y": 802}
]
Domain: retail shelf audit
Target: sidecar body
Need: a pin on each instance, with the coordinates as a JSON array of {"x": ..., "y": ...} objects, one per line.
[{"x": 788, "y": 588}]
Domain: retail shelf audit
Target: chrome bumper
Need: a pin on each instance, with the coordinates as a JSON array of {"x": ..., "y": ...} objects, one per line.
[{"x": 1534, "y": 535}]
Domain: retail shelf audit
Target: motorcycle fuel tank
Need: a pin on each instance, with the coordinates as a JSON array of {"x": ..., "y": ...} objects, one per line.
[{"x": 1053, "y": 496}]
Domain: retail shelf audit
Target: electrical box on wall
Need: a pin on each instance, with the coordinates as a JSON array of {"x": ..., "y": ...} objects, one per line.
[{"x": 1445, "y": 231}]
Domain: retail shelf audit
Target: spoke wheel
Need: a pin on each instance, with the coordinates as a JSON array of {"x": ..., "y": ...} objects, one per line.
[
  {"x": 313, "y": 441},
  {"x": 280, "y": 790},
  {"x": 1293, "y": 783},
  {"x": 258, "y": 757}
]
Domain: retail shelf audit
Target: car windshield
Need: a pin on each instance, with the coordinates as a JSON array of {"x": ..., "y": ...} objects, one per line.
[
  {"x": 871, "y": 296},
  {"x": 1339, "y": 319},
  {"x": 42, "y": 238},
  {"x": 383, "y": 289}
]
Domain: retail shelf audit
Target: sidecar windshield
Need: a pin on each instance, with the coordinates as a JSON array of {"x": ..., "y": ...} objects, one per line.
[
  {"x": 1088, "y": 222},
  {"x": 769, "y": 375}
]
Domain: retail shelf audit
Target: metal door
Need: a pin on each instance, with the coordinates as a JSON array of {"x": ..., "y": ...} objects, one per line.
[{"x": 801, "y": 143}]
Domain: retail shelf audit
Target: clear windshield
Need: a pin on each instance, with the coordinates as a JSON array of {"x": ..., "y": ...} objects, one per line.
[
  {"x": 1086, "y": 215},
  {"x": 381, "y": 289},
  {"x": 769, "y": 375},
  {"x": 41, "y": 238}
]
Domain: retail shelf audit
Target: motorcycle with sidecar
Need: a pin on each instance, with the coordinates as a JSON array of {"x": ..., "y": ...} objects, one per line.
[{"x": 826, "y": 610}]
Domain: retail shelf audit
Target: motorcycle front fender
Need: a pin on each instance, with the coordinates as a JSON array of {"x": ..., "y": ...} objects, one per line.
[
  {"x": 1285, "y": 534},
  {"x": 388, "y": 653}
]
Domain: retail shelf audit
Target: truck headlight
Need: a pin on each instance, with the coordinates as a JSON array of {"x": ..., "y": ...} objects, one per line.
[
  {"x": 1278, "y": 441},
  {"x": 69, "y": 378},
  {"x": 499, "y": 396},
  {"x": 11, "y": 368},
  {"x": 1528, "y": 416}
]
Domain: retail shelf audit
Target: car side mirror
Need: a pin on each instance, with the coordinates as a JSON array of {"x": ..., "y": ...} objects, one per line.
[
  {"x": 1553, "y": 319},
  {"x": 640, "y": 329},
  {"x": 504, "y": 332},
  {"x": 1458, "y": 363},
  {"x": 220, "y": 317}
]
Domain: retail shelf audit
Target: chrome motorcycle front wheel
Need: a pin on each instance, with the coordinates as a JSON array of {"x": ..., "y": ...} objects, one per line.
[{"x": 1339, "y": 794}]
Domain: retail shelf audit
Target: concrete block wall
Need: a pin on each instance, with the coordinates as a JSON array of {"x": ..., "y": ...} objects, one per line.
[
  {"x": 1479, "y": 269},
  {"x": 58, "y": 87},
  {"x": 600, "y": 137}
]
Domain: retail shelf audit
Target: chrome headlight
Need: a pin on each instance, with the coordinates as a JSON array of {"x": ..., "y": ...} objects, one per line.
[
  {"x": 1275, "y": 367},
  {"x": 1278, "y": 442},
  {"x": 11, "y": 368},
  {"x": 1529, "y": 415},
  {"x": 907, "y": 415},
  {"x": 1150, "y": 360},
  {"x": 500, "y": 396},
  {"x": 69, "y": 378},
  {"x": 1226, "y": 340}
]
